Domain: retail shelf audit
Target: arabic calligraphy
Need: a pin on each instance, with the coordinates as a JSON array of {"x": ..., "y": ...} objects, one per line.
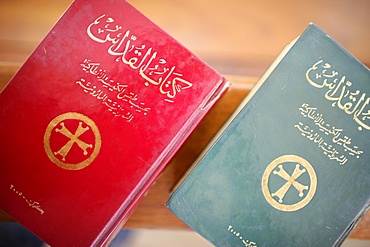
[
  {"x": 30, "y": 203},
  {"x": 246, "y": 243},
  {"x": 331, "y": 138},
  {"x": 352, "y": 102},
  {"x": 127, "y": 48},
  {"x": 116, "y": 96}
]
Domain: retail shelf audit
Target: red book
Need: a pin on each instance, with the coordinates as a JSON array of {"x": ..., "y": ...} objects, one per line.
[{"x": 91, "y": 119}]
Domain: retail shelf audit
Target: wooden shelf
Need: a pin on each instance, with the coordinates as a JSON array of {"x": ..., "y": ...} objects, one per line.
[{"x": 152, "y": 212}]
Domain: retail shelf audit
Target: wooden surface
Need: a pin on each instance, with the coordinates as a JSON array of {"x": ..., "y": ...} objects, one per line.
[
  {"x": 152, "y": 212},
  {"x": 235, "y": 37}
]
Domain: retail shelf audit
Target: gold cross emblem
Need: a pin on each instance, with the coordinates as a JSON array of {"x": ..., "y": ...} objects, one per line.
[
  {"x": 290, "y": 180},
  {"x": 305, "y": 192},
  {"x": 72, "y": 150},
  {"x": 73, "y": 138}
]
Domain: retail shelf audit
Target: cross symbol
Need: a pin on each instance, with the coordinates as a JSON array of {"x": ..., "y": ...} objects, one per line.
[
  {"x": 290, "y": 180},
  {"x": 74, "y": 138}
]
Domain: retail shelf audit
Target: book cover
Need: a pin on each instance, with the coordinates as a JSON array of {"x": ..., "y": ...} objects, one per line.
[
  {"x": 92, "y": 117},
  {"x": 291, "y": 167}
]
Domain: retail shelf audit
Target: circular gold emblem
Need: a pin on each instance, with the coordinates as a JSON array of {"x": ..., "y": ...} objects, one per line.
[
  {"x": 72, "y": 141},
  {"x": 289, "y": 183}
]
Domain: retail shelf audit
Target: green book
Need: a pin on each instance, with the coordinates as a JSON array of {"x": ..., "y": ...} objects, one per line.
[{"x": 291, "y": 168}]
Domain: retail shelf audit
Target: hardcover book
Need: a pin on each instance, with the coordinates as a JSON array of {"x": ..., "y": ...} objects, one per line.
[
  {"x": 92, "y": 117},
  {"x": 291, "y": 167}
]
